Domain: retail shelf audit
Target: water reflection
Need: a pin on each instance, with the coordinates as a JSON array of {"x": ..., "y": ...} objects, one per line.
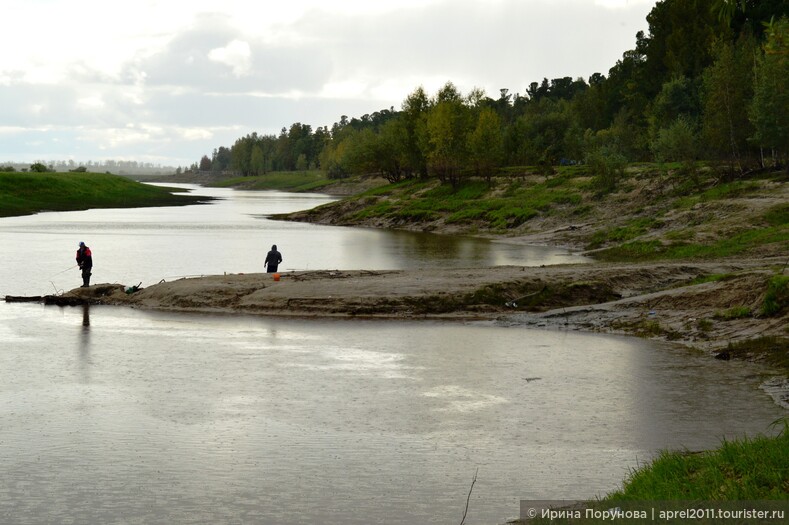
[
  {"x": 84, "y": 347},
  {"x": 85, "y": 318},
  {"x": 281, "y": 421}
]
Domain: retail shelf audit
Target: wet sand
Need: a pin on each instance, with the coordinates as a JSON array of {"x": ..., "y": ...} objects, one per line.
[{"x": 655, "y": 300}]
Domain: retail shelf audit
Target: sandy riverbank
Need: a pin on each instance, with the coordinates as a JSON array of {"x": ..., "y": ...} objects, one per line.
[{"x": 656, "y": 300}]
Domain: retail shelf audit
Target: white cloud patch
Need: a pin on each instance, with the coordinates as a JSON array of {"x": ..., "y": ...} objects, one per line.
[
  {"x": 344, "y": 89},
  {"x": 621, "y": 4},
  {"x": 196, "y": 134},
  {"x": 91, "y": 103},
  {"x": 236, "y": 55}
]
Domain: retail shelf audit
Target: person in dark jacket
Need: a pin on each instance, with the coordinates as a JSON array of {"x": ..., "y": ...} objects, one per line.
[
  {"x": 273, "y": 258},
  {"x": 85, "y": 263}
]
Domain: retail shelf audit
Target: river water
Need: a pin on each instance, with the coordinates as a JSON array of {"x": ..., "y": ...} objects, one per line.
[{"x": 114, "y": 415}]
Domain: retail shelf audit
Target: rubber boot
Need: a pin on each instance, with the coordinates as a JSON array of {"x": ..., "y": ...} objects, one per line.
[{"x": 86, "y": 279}]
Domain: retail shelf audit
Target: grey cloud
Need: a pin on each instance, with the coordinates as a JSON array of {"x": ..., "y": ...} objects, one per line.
[
  {"x": 63, "y": 104},
  {"x": 255, "y": 113},
  {"x": 274, "y": 69},
  {"x": 493, "y": 45},
  {"x": 510, "y": 43}
]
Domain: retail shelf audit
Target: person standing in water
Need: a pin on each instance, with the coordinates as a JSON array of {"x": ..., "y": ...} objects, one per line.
[
  {"x": 85, "y": 263},
  {"x": 273, "y": 258}
]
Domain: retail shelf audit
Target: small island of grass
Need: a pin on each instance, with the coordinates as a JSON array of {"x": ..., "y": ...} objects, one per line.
[{"x": 26, "y": 193}]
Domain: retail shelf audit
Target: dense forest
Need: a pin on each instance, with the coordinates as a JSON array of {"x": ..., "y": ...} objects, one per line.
[{"x": 709, "y": 81}]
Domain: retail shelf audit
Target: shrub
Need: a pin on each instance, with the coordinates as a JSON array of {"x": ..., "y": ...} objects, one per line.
[
  {"x": 736, "y": 312},
  {"x": 676, "y": 143},
  {"x": 607, "y": 166},
  {"x": 39, "y": 168},
  {"x": 778, "y": 215},
  {"x": 777, "y": 296}
]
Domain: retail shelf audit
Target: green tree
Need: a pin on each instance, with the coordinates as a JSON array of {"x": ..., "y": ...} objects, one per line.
[
  {"x": 726, "y": 9},
  {"x": 542, "y": 130},
  {"x": 39, "y": 167},
  {"x": 607, "y": 166},
  {"x": 749, "y": 17},
  {"x": 414, "y": 111},
  {"x": 446, "y": 130},
  {"x": 727, "y": 92},
  {"x": 301, "y": 163},
  {"x": 770, "y": 107},
  {"x": 677, "y": 142},
  {"x": 392, "y": 150},
  {"x": 486, "y": 143},
  {"x": 677, "y": 98},
  {"x": 221, "y": 159},
  {"x": 257, "y": 161},
  {"x": 240, "y": 155},
  {"x": 681, "y": 34},
  {"x": 205, "y": 163},
  {"x": 448, "y": 93}
]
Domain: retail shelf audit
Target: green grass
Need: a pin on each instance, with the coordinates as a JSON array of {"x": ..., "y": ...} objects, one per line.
[
  {"x": 705, "y": 325},
  {"x": 471, "y": 202},
  {"x": 735, "y": 312},
  {"x": 635, "y": 228},
  {"x": 771, "y": 350},
  {"x": 27, "y": 193},
  {"x": 732, "y": 245},
  {"x": 777, "y": 215},
  {"x": 520, "y": 194},
  {"x": 746, "y": 469},
  {"x": 297, "y": 181},
  {"x": 774, "y": 228},
  {"x": 721, "y": 191},
  {"x": 712, "y": 278}
]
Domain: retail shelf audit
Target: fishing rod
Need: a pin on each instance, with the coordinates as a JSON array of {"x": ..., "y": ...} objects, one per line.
[{"x": 64, "y": 271}]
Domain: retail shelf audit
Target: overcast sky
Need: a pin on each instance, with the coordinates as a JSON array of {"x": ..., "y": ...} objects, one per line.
[{"x": 167, "y": 81}]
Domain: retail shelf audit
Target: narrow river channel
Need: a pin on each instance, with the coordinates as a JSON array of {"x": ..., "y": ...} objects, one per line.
[{"x": 113, "y": 415}]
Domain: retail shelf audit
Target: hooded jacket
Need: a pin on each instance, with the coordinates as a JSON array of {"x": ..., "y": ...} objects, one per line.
[{"x": 84, "y": 258}]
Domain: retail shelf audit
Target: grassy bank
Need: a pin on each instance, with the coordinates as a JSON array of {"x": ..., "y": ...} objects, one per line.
[
  {"x": 296, "y": 181},
  {"x": 745, "y": 469},
  {"x": 653, "y": 212},
  {"x": 754, "y": 469},
  {"x": 28, "y": 193}
]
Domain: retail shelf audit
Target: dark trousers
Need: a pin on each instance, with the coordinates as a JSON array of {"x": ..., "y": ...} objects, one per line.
[
  {"x": 271, "y": 268},
  {"x": 86, "y": 277}
]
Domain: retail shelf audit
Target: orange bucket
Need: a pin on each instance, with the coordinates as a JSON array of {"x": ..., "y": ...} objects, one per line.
[{"x": 276, "y": 276}]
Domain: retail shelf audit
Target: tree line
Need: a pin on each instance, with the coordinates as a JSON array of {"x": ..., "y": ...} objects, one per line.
[
  {"x": 709, "y": 81},
  {"x": 124, "y": 167}
]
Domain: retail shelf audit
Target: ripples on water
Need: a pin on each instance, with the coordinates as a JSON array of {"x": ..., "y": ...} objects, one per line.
[{"x": 115, "y": 415}]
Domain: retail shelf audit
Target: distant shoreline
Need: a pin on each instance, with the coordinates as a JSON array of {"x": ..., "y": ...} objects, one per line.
[{"x": 30, "y": 193}]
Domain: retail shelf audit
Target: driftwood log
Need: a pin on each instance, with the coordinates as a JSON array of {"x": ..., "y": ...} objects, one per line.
[
  {"x": 20, "y": 299},
  {"x": 50, "y": 299},
  {"x": 94, "y": 295}
]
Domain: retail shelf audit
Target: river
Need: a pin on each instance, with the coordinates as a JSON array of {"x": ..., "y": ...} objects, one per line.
[{"x": 114, "y": 415}]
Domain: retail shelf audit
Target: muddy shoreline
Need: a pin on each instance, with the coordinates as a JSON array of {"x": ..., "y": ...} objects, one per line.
[{"x": 654, "y": 300}]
